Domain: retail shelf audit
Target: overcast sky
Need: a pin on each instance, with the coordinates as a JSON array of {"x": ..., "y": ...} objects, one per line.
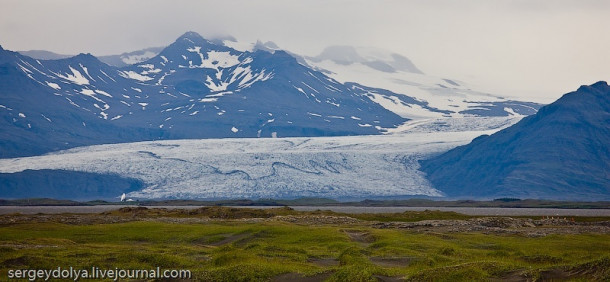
[{"x": 532, "y": 49}]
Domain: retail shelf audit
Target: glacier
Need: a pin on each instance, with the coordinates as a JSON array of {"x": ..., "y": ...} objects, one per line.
[{"x": 349, "y": 167}]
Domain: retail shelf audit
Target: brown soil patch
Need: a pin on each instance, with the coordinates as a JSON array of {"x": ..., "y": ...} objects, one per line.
[
  {"x": 555, "y": 275},
  {"x": 382, "y": 278},
  {"x": 297, "y": 277},
  {"x": 359, "y": 236},
  {"x": 512, "y": 276},
  {"x": 324, "y": 262},
  {"x": 392, "y": 261}
]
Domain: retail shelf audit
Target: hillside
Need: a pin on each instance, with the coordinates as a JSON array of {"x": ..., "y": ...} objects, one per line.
[{"x": 562, "y": 152}]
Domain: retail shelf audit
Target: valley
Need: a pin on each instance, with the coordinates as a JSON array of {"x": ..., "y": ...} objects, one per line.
[{"x": 351, "y": 167}]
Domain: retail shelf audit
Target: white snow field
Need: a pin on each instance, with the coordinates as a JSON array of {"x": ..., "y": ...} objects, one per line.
[{"x": 332, "y": 167}]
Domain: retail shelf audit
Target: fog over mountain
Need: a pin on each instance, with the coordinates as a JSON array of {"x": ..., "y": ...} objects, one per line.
[
  {"x": 532, "y": 50},
  {"x": 197, "y": 88}
]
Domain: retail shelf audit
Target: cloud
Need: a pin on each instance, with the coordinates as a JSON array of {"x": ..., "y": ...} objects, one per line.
[{"x": 531, "y": 48}]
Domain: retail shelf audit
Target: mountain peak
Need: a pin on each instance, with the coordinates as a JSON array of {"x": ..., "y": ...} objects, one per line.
[
  {"x": 598, "y": 86},
  {"x": 268, "y": 46},
  {"x": 189, "y": 45},
  {"x": 561, "y": 152},
  {"x": 86, "y": 57},
  {"x": 191, "y": 39},
  {"x": 191, "y": 36}
]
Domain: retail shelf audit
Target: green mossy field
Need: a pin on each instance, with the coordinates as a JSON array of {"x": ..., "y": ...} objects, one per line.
[{"x": 244, "y": 249}]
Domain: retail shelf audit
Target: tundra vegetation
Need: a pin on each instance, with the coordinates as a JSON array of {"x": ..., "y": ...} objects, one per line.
[{"x": 238, "y": 244}]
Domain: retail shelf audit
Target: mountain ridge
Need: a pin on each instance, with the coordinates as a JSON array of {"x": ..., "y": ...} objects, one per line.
[
  {"x": 192, "y": 89},
  {"x": 382, "y": 70},
  {"x": 197, "y": 88},
  {"x": 561, "y": 152}
]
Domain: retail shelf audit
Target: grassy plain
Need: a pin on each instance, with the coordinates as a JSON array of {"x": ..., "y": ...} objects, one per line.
[{"x": 251, "y": 245}]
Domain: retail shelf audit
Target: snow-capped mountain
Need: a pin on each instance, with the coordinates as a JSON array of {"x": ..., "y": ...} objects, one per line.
[
  {"x": 201, "y": 89},
  {"x": 394, "y": 82},
  {"x": 51, "y": 105},
  {"x": 122, "y": 60},
  {"x": 194, "y": 88},
  {"x": 387, "y": 78},
  {"x": 130, "y": 58},
  {"x": 250, "y": 94}
]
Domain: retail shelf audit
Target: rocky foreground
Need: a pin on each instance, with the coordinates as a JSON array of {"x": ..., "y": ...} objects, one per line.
[{"x": 530, "y": 227}]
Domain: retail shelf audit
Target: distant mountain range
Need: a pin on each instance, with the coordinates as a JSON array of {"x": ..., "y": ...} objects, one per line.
[
  {"x": 201, "y": 89},
  {"x": 197, "y": 88},
  {"x": 122, "y": 60},
  {"x": 387, "y": 78},
  {"x": 562, "y": 152},
  {"x": 192, "y": 89},
  {"x": 44, "y": 55}
]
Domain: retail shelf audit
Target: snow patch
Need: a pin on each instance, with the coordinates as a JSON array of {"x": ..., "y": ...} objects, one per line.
[
  {"x": 151, "y": 71},
  {"x": 214, "y": 59},
  {"x": 220, "y": 86},
  {"x": 301, "y": 90},
  {"x": 107, "y": 76},
  {"x": 103, "y": 93},
  {"x": 86, "y": 71},
  {"x": 53, "y": 85},
  {"x": 75, "y": 77},
  {"x": 511, "y": 112},
  {"x": 135, "y": 76},
  {"x": 45, "y": 117},
  {"x": 334, "y": 104},
  {"x": 220, "y": 94},
  {"x": 87, "y": 92},
  {"x": 134, "y": 59},
  {"x": 411, "y": 111}
]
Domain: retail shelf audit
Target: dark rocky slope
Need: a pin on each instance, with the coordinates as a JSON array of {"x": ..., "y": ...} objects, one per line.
[{"x": 562, "y": 152}]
